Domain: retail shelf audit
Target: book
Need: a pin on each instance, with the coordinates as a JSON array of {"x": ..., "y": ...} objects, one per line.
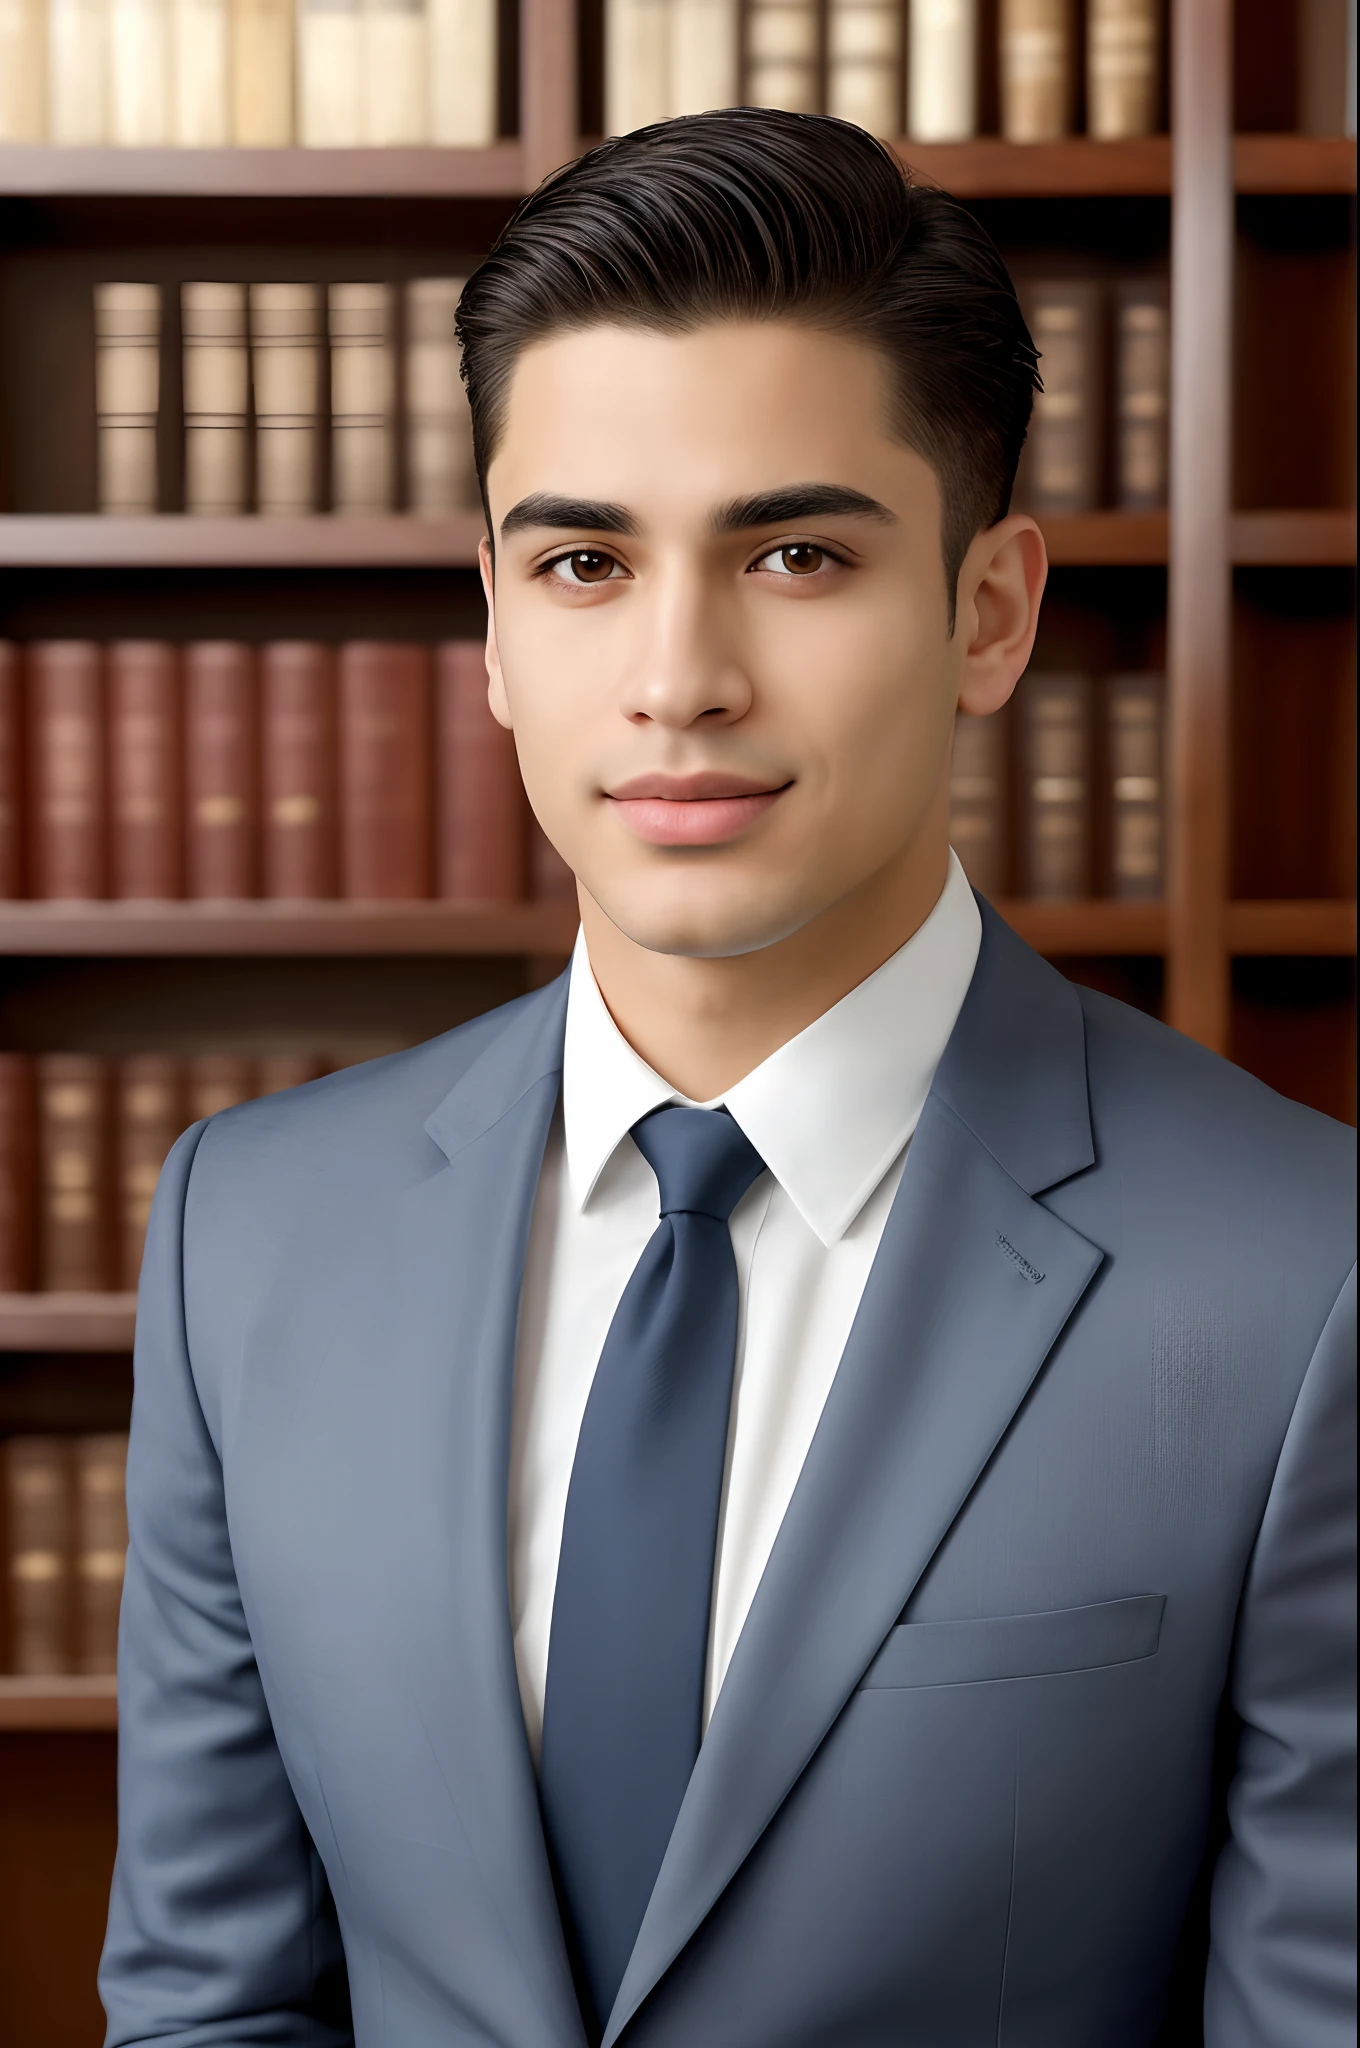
[
  {"x": 74, "y": 1173},
  {"x": 23, "y": 71},
  {"x": 329, "y": 73},
  {"x": 36, "y": 1476},
  {"x": 705, "y": 55},
  {"x": 864, "y": 63},
  {"x": 78, "y": 71},
  {"x": 440, "y": 470},
  {"x": 101, "y": 1538},
  {"x": 214, "y": 1081},
  {"x": 127, "y": 394},
  {"x": 215, "y": 397},
  {"x": 1062, "y": 458},
  {"x": 942, "y": 63},
  {"x": 385, "y": 769},
  {"x": 1123, "y": 67},
  {"x": 220, "y": 796},
  {"x": 783, "y": 52},
  {"x": 1143, "y": 375},
  {"x": 139, "y": 73},
  {"x": 462, "y": 72},
  {"x": 978, "y": 811},
  {"x": 11, "y": 772},
  {"x": 262, "y": 73},
  {"x": 1055, "y": 781},
  {"x": 1133, "y": 755},
  {"x": 396, "y": 92},
  {"x": 481, "y": 826},
  {"x": 68, "y": 819},
  {"x": 275, "y": 1071},
  {"x": 297, "y": 770},
  {"x": 1036, "y": 52},
  {"x": 145, "y": 830},
  {"x": 149, "y": 1116},
  {"x": 285, "y": 362},
  {"x": 18, "y": 1172},
  {"x": 362, "y": 397},
  {"x": 1326, "y": 66},
  {"x": 637, "y": 64},
  {"x": 201, "y": 73}
]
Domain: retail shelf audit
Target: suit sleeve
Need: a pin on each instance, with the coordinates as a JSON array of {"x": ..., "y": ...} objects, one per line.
[
  {"x": 1281, "y": 1970},
  {"x": 221, "y": 1925}
]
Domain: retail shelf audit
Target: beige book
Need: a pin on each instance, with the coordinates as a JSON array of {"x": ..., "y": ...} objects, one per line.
[
  {"x": 864, "y": 63},
  {"x": 262, "y": 73},
  {"x": 438, "y": 423},
  {"x": 23, "y": 71},
  {"x": 1123, "y": 67},
  {"x": 942, "y": 70},
  {"x": 215, "y": 387},
  {"x": 100, "y": 1548},
  {"x": 77, "y": 71},
  {"x": 705, "y": 55},
  {"x": 127, "y": 394},
  {"x": 1036, "y": 69},
  {"x": 362, "y": 395},
  {"x": 285, "y": 352},
  {"x": 782, "y": 38},
  {"x": 637, "y": 64},
  {"x": 201, "y": 51},
  {"x": 139, "y": 72},
  {"x": 396, "y": 95},
  {"x": 462, "y": 68},
  {"x": 330, "y": 73}
]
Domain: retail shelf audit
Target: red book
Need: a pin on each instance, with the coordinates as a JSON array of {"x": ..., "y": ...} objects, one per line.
[
  {"x": 75, "y": 1241},
  {"x": 481, "y": 815},
  {"x": 35, "y": 1494},
  {"x": 220, "y": 745},
  {"x": 18, "y": 1173},
  {"x": 384, "y": 769},
  {"x": 297, "y": 769},
  {"x": 68, "y": 820},
  {"x": 101, "y": 1536},
  {"x": 144, "y": 769},
  {"x": 150, "y": 1118},
  {"x": 11, "y": 773}
]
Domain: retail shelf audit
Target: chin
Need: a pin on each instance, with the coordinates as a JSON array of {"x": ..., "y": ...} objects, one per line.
[{"x": 706, "y": 924}]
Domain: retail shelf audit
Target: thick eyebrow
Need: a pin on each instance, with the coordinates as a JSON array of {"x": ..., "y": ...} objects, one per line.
[
  {"x": 545, "y": 508},
  {"x": 796, "y": 502}
]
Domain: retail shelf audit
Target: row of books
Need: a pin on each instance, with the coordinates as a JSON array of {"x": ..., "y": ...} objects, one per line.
[
  {"x": 262, "y": 73},
  {"x": 1098, "y": 435},
  {"x": 63, "y": 1522},
  {"x": 281, "y": 383},
  {"x": 1059, "y": 797},
  {"x": 216, "y": 770}
]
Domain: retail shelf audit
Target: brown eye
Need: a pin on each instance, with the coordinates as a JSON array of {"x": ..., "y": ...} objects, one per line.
[
  {"x": 801, "y": 558},
  {"x": 584, "y": 565}
]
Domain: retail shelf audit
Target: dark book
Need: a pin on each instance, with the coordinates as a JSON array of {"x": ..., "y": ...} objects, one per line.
[
  {"x": 220, "y": 770},
  {"x": 297, "y": 769},
  {"x": 481, "y": 814},
  {"x": 275, "y": 1071},
  {"x": 74, "y": 1177},
  {"x": 18, "y": 1172},
  {"x": 150, "y": 1116},
  {"x": 100, "y": 1492},
  {"x": 36, "y": 1476},
  {"x": 978, "y": 811},
  {"x": 1062, "y": 466},
  {"x": 1134, "y": 758},
  {"x": 216, "y": 1081},
  {"x": 1143, "y": 374},
  {"x": 385, "y": 769},
  {"x": 145, "y": 836},
  {"x": 68, "y": 821},
  {"x": 1055, "y": 782},
  {"x": 11, "y": 772}
]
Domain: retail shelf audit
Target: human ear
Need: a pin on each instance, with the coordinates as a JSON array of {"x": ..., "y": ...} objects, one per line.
[
  {"x": 495, "y": 681},
  {"x": 1000, "y": 585}
]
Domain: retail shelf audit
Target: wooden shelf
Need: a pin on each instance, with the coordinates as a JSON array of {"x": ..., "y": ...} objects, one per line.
[
  {"x": 1095, "y": 926},
  {"x": 38, "y": 170},
  {"x": 1298, "y": 539},
  {"x": 139, "y": 929},
  {"x": 66, "y": 1322},
  {"x": 1294, "y": 163},
  {"x": 1104, "y": 539},
  {"x": 989, "y": 168},
  {"x": 1316, "y": 928},
  {"x": 181, "y": 541},
  {"x": 36, "y": 1705}
]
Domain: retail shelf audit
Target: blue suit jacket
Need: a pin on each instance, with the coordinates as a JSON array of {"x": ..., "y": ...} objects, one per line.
[{"x": 1044, "y": 1693}]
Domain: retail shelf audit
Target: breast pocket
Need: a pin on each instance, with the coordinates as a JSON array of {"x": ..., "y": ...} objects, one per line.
[{"x": 921, "y": 1653}]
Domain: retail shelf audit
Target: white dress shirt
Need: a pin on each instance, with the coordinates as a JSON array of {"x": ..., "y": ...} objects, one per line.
[{"x": 830, "y": 1113}]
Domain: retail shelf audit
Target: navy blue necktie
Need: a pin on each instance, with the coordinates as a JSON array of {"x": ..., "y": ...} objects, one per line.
[{"x": 623, "y": 1707}]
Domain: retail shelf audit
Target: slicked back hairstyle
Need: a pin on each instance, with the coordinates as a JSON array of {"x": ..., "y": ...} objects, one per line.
[{"x": 752, "y": 213}]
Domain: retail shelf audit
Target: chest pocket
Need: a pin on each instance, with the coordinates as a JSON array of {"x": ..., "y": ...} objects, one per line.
[{"x": 920, "y": 1653}]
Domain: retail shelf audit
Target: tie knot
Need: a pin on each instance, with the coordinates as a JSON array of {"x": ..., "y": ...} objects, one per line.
[{"x": 703, "y": 1161}]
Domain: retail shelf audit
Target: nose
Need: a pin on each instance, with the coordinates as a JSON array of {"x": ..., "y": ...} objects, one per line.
[{"x": 685, "y": 664}]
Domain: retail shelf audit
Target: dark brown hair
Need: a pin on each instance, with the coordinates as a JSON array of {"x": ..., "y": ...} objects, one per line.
[{"x": 751, "y": 213}]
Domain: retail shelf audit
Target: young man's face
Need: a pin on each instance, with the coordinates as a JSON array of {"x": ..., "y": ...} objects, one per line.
[{"x": 720, "y": 626}]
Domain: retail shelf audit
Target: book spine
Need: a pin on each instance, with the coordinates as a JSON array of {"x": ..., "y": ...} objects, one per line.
[
  {"x": 18, "y": 1172},
  {"x": 297, "y": 769},
  {"x": 463, "y": 72},
  {"x": 68, "y": 835},
  {"x": 201, "y": 48},
  {"x": 36, "y": 1472},
  {"x": 1056, "y": 729},
  {"x": 440, "y": 468},
  {"x": 285, "y": 346},
  {"x": 100, "y": 1548},
  {"x": 1134, "y": 754},
  {"x": 215, "y": 397},
  {"x": 550, "y": 879},
  {"x": 783, "y": 53},
  {"x": 74, "y": 1179},
  {"x": 149, "y": 1119},
  {"x": 1144, "y": 372},
  {"x": 23, "y": 71},
  {"x": 1036, "y": 69},
  {"x": 11, "y": 772},
  {"x": 705, "y": 59},
  {"x": 144, "y": 769},
  {"x": 396, "y": 100},
  {"x": 262, "y": 73},
  {"x": 330, "y": 73},
  {"x": 864, "y": 64},
  {"x": 1063, "y": 457},
  {"x": 127, "y": 394},
  {"x": 220, "y": 769},
  {"x": 637, "y": 62},
  {"x": 482, "y": 817},
  {"x": 384, "y": 770},
  {"x": 215, "y": 1081},
  {"x": 978, "y": 811},
  {"x": 276, "y": 1071},
  {"x": 362, "y": 394},
  {"x": 1326, "y": 67},
  {"x": 942, "y": 66},
  {"x": 77, "y": 71},
  {"x": 139, "y": 73},
  {"x": 1123, "y": 67}
]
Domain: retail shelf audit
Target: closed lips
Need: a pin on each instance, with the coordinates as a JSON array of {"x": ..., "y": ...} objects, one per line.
[{"x": 697, "y": 810}]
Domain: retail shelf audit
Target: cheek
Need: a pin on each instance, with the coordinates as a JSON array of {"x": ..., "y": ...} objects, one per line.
[{"x": 864, "y": 687}]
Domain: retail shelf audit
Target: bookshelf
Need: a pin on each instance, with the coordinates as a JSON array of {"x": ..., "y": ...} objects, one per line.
[{"x": 1245, "y": 590}]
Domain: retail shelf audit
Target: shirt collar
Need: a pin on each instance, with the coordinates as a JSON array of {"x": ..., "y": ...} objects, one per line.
[{"x": 830, "y": 1110}]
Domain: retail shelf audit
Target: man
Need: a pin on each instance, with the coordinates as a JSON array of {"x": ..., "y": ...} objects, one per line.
[{"x": 790, "y": 1488}]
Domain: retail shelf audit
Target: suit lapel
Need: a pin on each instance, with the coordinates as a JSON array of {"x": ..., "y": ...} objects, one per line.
[{"x": 971, "y": 1288}]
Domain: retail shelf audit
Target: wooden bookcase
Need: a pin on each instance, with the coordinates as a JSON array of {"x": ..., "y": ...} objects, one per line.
[{"x": 1245, "y": 592}]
